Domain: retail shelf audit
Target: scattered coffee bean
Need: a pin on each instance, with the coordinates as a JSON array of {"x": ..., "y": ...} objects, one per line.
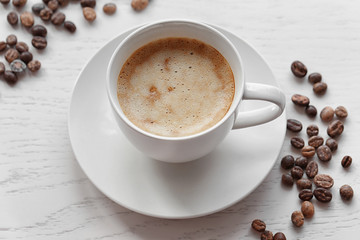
[
  {"x": 316, "y": 141},
  {"x": 11, "y": 40},
  {"x": 139, "y": 5},
  {"x": 34, "y": 65},
  {"x": 287, "y": 179},
  {"x": 294, "y": 125},
  {"x": 58, "y": 18},
  {"x": 11, "y": 54},
  {"x": 308, "y": 151},
  {"x": 2, "y": 68},
  {"x": 287, "y": 162},
  {"x": 26, "y": 57},
  {"x": 327, "y": 114},
  {"x": 39, "y": 30},
  {"x": 297, "y": 142},
  {"x": 297, "y": 218},
  {"x": 311, "y": 110},
  {"x": 307, "y": 208},
  {"x": 89, "y": 14},
  {"x": 37, "y": 7},
  {"x": 279, "y": 236},
  {"x": 297, "y": 172},
  {"x": 70, "y": 26},
  {"x": 323, "y": 181},
  {"x": 3, "y": 46},
  {"x": 346, "y": 161},
  {"x": 346, "y": 192},
  {"x": 315, "y": 77},
  {"x": 320, "y": 88},
  {"x": 39, "y": 42},
  {"x": 53, "y": 5},
  {"x": 4, "y": 2},
  {"x": 27, "y": 19},
  {"x": 301, "y": 161},
  {"x": 266, "y": 235},
  {"x": 109, "y": 8},
  {"x": 300, "y": 100},
  {"x": 304, "y": 183},
  {"x": 88, "y": 3},
  {"x": 46, "y": 14},
  {"x": 298, "y": 69},
  {"x": 332, "y": 144},
  {"x": 258, "y": 225},
  {"x": 324, "y": 153},
  {"x": 10, "y": 77},
  {"x": 22, "y": 47},
  {"x": 341, "y": 112},
  {"x": 335, "y": 128},
  {"x": 12, "y": 18},
  {"x": 312, "y": 130},
  {"x": 322, "y": 195},
  {"x": 19, "y": 3},
  {"x": 17, "y": 66},
  {"x": 312, "y": 169},
  {"x": 306, "y": 194}
]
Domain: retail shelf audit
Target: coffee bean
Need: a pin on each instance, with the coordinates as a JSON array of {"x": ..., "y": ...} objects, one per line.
[
  {"x": 70, "y": 26},
  {"x": 12, "y": 18},
  {"x": 2, "y": 68},
  {"x": 315, "y": 77},
  {"x": 320, "y": 88},
  {"x": 312, "y": 169},
  {"x": 311, "y": 110},
  {"x": 294, "y": 125},
  {"x": 297, "y": 218},
  {"x": 27, "y": 19},
  {"x": 279, "y": 236},
  {"x": 3, "y": 46},
  {"x": 17, "y": 66},
  {"x": 304, "y": 183},
  {"x": 39, "y": 30},
  {"x": 316, "y": 141},
  {"x": 287, "y": 179},
  {"x": 266, "y": 235},
  {"x": 10, "y": 77},
  {"x": 89, "y": 14},
  {"x": 109, "y": 8},
  {"x": 346, "y": 192},
  {"x": 297, "y": 172},
  {"x": 346, "y": 161},
  {"x": 34, "y": 65},
  {"x": 258, "y": 225},
  {"x": 11, "y": 40},
  {"x": 324, "y": 153},
  {"x": 11, "y": 54},
  {"x": 308, "y": 151},
  {"x": 4, "y": 2},
  {"x": 63, "y": 3},
  {"x": 327, "y": 114},
  {"x": 287, "y": 162},
  {"x": 323, "y": 181},
  {"x": 301, "y": 162},
  {"x": 307, "y": 208},
  {"x": 298, "y": 69},
  {"x": 22, "y": 47},
  {"x": 300, "y": 100},
  {"x": 322, "y": 195},
  {"x": 297, "y": 142},
  {"x": 39, "y": 42},
  {"x": 46, "y": 14},
  {"x": 19, "y": 3},
  {"x": 312, "y": 130},
  {"x": 88, "y": 3},
  {"x": 58, "y": 18},
  {"x": 37, "y": 7},
  {"x": 53, "y": 5},
  {"x": 306, "y": 194},
  {"x": 335, "y": 128},
  {"x": 139, "y": 5},
  {"x": 332, "y": 144},
  {"x": 26, "y": 57},
  {"x": 341, "y": 112}
]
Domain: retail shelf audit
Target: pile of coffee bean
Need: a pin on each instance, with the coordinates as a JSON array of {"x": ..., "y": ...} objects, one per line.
[{"x": 260, "y": 226}]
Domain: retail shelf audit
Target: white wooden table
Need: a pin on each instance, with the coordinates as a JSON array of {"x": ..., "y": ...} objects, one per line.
[{"x": 45, "y": 195}]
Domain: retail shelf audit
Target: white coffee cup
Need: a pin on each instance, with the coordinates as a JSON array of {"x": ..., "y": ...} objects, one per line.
[{"x": 187, "y": 148}]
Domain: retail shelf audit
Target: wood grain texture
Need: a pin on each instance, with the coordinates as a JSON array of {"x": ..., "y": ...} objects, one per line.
[{"x": 45, "y": 195}]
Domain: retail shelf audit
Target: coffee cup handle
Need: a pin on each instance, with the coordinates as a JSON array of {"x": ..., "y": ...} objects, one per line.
[{"x": 256, "y": 91}]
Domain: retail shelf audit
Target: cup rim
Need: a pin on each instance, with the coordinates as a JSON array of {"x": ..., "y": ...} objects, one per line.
[{"x": 115, "y": 103}]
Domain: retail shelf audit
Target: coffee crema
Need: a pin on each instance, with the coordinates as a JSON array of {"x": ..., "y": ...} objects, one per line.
[{"x": 175, "y": 87}]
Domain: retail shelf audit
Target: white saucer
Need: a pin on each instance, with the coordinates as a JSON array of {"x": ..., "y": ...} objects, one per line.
[{"x": 165, "y": 190}]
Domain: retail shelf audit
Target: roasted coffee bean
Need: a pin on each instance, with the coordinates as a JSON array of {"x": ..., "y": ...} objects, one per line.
[
  {"x": 39, "y": 42},
  {"x": 346, "y": 161},
  {"x": 109, "y": 8},
  {"x": 11, "y": 40},
  {"x": 27, "y": 19},
  {"x": 311, "y": 110},
  {"x": 39, "y": 30},
  {"x": 34, "y": 65},
  {"x": 297, "y": 218},
  {"x": 308, "y": 151},
  {"x": 327, "y": 114},
  {"x": 2, "y": 68},
  {"x": 320, "y": 88},
  {"x": 312, "y": 130},
  {"x": 3, "y": 46},
  {"x": 139, "y": 5},
  {"x": 26, "y": 57},
  {"x": 17, "y": 66},
  {"x": 11, "y": 54},
  {"x": 58, "y": 18},
  {"x": 306, "y": 194},
  {"x": 346, "y": 192},
  {"x": 304, "y": 183},
  {"x": 89, "y": 14},
  {"x": 312, "y": 169},
  {"x": 22, "y": 47},
  {"x": 88, "y": 3},
  {"x": 323, "y": 181},
  {"x": 70, "y": 26},
  {"x": 307, "y": 208},
  {"x": 37, "y": 7},
  {"x": 341, "y": 112},
  {"x": 19, "y": 3},
  {"x": 315, "y": 77},
  {"x": 301, "y": 161},
  {"x": 287, "y": 162},
  {"x": 294, "y": 125},
  {"x": 324, "y": 153},
  {"x": 332, "y": 144},
  {"x": 287, "y": 179},
  {"x": 316, "y": 141},
  {"x": 53, "y": 5},
  {"x": 12, "y": 18},
  {"x": 335, "y": 128},
  {"x": 300, "y": 100},
  {"x": 279, "y": 236},
  {"x": 297, "y": 172},
  {"x": 46, "y": 14},
  {"x": 266, "y": 235},
  {"x": 10, "y": 77},
  {"x": 258, "y": 225},
  {"x": 298, "y": 69},
  {"x": 297, "y": 142},
  {"x": 322, "y": 195},
  {"x": 4, "y": 2}
]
